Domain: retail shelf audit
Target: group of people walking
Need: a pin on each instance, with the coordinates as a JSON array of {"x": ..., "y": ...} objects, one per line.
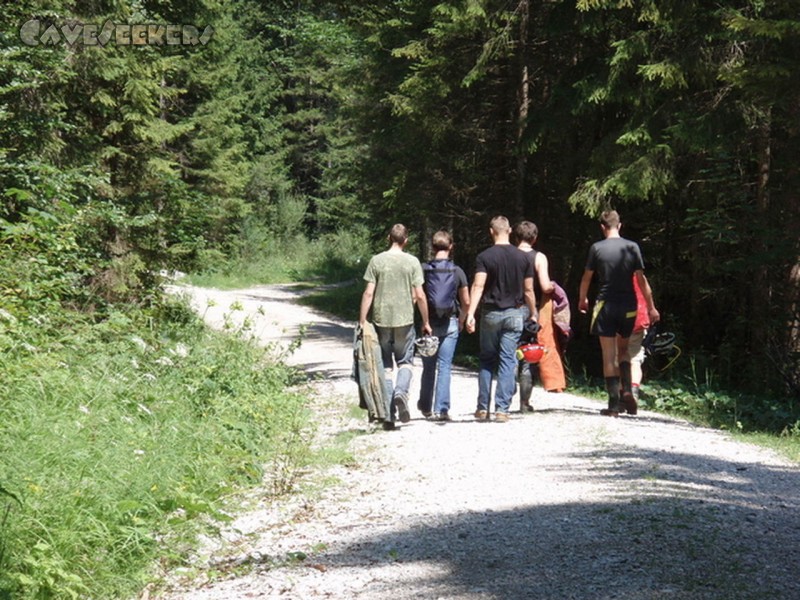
[{"x": 511, "y": 286}]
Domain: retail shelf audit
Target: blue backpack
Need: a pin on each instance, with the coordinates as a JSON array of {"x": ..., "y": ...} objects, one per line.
[{"x": 441, "y": 287}]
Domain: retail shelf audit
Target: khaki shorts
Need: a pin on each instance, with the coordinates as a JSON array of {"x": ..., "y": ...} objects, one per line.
[{"x": 635, "y": 349}]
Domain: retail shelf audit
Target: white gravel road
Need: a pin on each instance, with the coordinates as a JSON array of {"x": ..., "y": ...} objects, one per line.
[{"x": 561, "y": 503}]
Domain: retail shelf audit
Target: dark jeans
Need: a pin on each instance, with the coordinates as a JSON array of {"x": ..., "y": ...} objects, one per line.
[{"x": 500, "y": 331}]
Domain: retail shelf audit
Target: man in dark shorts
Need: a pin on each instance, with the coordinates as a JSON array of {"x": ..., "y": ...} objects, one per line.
[
  {"x": 504, "y": 281},
  {"x": 616, "y": 261}
]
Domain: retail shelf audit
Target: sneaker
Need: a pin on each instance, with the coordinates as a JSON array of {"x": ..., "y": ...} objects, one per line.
[
  {"x": 442, "y": 416},
  {"x": 525, "y": 407},
  {"x": 388, "y": 426},
  {"x": 401, "y": 402},
  {"x": 481, "y": 415},
  {"x": 629, "y": 403},
  {"x": 501, "y": 417},
  {"x": 425, "y": 413}
]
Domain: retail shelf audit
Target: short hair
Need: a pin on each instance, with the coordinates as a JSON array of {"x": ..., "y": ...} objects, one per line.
[
  {"x": 610, "y": 219},
  {"x": 526, "y": 231},
  {"x": 442, "y": 240},
  {"x": 398, "y": 234},
  {"x": 499, "y": 224}
]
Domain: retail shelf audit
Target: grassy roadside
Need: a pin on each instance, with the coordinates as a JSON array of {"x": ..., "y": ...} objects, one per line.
[{"x": 121, "y": 440}]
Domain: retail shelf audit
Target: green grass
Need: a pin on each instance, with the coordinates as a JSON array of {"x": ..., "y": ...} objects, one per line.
[
  {"x": 117, "y": 436},
  {"x": 333, "y": 258},
  {"x": 239, "y": 274},
  {"x": 343, "y": 301}
]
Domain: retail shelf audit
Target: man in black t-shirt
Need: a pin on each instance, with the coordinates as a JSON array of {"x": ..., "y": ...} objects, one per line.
[
  {"x": 504, "y": 281},
  {"x": 616, "y": 261}
]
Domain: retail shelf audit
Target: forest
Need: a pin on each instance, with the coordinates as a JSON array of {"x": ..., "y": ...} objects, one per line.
[
  {"x": 282, "y": 138},
  {"x": 332, "y": 120}
]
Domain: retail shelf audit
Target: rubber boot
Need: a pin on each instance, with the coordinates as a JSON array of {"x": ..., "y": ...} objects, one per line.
[
  {"x": 525, "y": 387},
  {"x": 612, "y": 387},
  {"x": 628, "y": 399}
]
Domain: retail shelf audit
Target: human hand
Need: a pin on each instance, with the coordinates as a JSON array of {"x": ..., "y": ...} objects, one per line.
[
  {"x": 655, "y": 316},
  {"x": 427, "y": 329},
  {"x": 583, "y": 305},
  {"x": 470, "y": 323}
]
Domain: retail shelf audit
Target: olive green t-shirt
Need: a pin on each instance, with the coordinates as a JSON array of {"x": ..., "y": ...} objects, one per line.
[{"x": 394, "y": 274}]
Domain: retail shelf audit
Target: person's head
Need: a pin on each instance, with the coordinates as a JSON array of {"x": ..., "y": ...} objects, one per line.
[
  {"x": 442, "y": 240},
  {"x": 526, "y": 231},
  {"x": 499, "y": 226},
  {"x": 609, "y": 219},
  {"x": 398, "y": 234}
]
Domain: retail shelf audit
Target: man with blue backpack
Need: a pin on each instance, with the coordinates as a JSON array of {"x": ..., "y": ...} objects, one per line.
[{"x": 447, "y": 292}]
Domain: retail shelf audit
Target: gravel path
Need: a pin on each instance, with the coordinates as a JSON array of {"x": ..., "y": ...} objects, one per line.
[{"x": 561, "y": 503}]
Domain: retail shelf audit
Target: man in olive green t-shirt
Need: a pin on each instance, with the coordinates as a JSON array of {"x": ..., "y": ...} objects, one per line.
[{"x": 394, "y": 283}]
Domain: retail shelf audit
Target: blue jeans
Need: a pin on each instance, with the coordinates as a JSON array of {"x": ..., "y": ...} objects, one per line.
[
  {"x": 397, "y": 346},
  {"x": 436, "y": 370},
  {"x": 499, "y": 335}
]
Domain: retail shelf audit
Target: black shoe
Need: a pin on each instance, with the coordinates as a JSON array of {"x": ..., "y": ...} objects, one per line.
[
  {"x": 629, "y": 402},
  {"x": 388, "y": 426},
  {"x": 401, "y": 402},
  {"x": 425, "y": 413},
  {"x": 609, "y": 412}
]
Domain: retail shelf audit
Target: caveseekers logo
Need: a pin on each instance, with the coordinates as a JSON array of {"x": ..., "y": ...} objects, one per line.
[{"x": 41, "y": 33}]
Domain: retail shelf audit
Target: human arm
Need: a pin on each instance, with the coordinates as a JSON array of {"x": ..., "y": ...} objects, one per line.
[
  {"x": 530, "y": 298},
  {"x": 583, "y": 295},
  {"x": 542, "y": 269},
  {"x": 366, "y": 302},
  {"x": 647, "y": 292},
  {"x": 475, "y": 295},
  {"x": 422, "y": 304},
  {"x": 463, "y": 300}
]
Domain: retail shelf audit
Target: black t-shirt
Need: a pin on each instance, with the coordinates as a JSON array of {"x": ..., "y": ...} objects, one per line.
[
  {"x": 615, "y": 260},
  {"x": 506, "y": 268}
]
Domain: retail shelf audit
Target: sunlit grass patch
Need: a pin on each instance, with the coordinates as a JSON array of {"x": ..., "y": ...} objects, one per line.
[{"x": 120, "y": 436}]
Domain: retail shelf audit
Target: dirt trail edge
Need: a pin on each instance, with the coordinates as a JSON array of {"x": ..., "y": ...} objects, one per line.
[{"x": 559, "y": 503}]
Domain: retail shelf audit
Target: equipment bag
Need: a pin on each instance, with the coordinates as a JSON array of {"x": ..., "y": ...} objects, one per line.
[{"x": 440, "y": 287}]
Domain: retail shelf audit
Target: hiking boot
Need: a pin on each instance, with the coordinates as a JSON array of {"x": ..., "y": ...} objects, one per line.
[
  {"x": 609, "y": 412},
  {"x": 629, "y": 403},
  {"x": 481, "y": 415},
  {"x": 401, "y": 402},
  {"x": 501, "y": 417}
]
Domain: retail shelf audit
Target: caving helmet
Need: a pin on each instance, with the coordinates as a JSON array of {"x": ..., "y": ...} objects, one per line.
[
  {"x": 427, "y": 345},
  {"x": 658, "y": 344},
  {"x": 531, "y": 353}
]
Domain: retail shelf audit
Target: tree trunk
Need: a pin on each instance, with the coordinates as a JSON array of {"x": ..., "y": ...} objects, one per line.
[
  {"x": 523, "y": 104},
  {"x": 760, "y": 290}
]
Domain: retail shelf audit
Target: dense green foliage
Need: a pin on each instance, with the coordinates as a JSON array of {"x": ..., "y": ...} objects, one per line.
[
  {"x": 285, "y": 145},
  {"x": 324, "y": 121}
]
